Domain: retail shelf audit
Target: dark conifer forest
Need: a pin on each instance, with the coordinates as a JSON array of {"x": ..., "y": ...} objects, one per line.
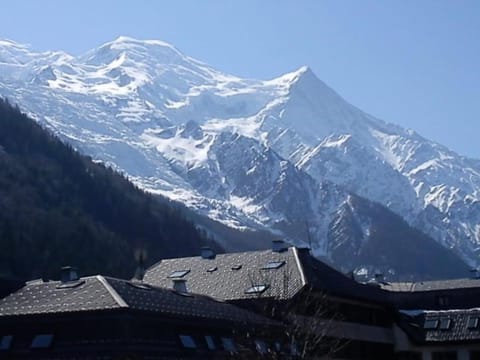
[{"x": 58, "y": 208}]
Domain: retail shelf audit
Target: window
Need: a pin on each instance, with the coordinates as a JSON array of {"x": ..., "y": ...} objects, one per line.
[
  {"x": 212, "y": 269},
  {"x": 272, "y": 265},
  {"x": 178, "y": 274},
  {"x": 445, "y": 324},
  {"x": 187, "y": 342},
  {"x": 210, "y": 342},
  {"x": 6, "y": 342},
  {"x": 430, "y": 324},
  {"x": 472, "y": 322},
  {"x": 43, "y": 341},
  {"x": 229, "y": 344},
  {"x": 256, "y": 289},
  {"x": 237, "y": 267},
  {"x": 261, "y": 346}
]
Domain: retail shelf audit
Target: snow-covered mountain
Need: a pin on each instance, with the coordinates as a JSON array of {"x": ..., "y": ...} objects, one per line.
[{"x": 287, "y": 154}]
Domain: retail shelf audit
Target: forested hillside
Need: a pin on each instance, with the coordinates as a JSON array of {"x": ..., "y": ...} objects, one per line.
[{"x": 58, "y": 207}]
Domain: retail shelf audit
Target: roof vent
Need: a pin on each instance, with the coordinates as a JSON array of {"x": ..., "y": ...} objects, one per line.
[
  {"x": 69, "y": 274},
  {"x": 207, "y": 253},
  {"x": 279, "y": 246},
  {"x": 180, "y": 285}
]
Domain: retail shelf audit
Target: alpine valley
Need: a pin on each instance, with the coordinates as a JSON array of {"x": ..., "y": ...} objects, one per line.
[{"x": 288, "y": 156}]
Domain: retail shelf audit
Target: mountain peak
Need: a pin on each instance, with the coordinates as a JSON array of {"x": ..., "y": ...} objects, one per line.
[
  {"x": 127, "y": 40},
  {"x": 140, "y": 50},
  {"x": 294, "y": 76},
  {"x": 10, "y": 43}
]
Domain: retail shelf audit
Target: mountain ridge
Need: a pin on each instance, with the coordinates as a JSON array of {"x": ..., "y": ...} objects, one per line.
[{"x": 133, "y": 116}]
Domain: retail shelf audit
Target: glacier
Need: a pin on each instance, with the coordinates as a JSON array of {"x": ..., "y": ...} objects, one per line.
[{"x": 286, "y": 155}]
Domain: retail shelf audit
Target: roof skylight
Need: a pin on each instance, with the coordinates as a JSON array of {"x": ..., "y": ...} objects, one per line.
[
  {"x": 139, "y": 285},
  {"x": 178, "y": 274},
  {"x": 256, "y": 289},
  {"x": 212, "y": 269},
  {"x": 237, "y": 267},
  {"x": 272, "y": 265}
]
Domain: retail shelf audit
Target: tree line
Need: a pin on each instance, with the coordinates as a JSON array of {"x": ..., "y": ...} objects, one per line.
[{"x": 58, "y": 207}]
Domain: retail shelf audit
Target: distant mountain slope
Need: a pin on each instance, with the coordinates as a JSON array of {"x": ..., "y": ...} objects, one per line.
[
  {"x": 58, "y": 207},
  {"x": 266, "y": 155}
]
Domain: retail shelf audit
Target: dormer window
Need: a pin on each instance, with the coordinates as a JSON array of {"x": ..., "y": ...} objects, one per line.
[
  {"x": 472, "y": 322},
  {"x": 445, "y": 324},
  {"x": 430, "y": 324}
]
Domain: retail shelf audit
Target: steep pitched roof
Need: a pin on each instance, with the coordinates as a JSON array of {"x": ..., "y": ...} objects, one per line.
[
  {"x": 98, "y": 293},
  {"x": 325, "y": 278},
  {"x": 228, "y": 276},
  {"x": 443, "y": 326}
]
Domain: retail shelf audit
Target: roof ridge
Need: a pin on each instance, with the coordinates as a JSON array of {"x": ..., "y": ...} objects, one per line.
[
  {"x": 299, "y": 264},
  {"x": 115, "y": 295}
]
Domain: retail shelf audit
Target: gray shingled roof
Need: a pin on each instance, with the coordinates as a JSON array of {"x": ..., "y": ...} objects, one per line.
[
  {"x": 300, "y": 269},
  {"x": 90, "y": 294},
  {"x": 457, "y": 332},
  {"x": 98, "y": 293},
  {"x": 432, "y": 285},
  {"x": 228, "y": 276}
]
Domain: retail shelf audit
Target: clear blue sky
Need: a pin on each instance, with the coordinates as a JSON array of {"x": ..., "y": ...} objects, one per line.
[{"x": 411, "y": 62}]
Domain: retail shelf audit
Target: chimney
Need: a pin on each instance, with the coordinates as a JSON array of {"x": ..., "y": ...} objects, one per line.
[
  {"x": 180, "y": 285},
  {"x": 207, "y": 253},
  {"x": 140, "y": 256},
  {"x": 69, "y": 274},
  {"x": 279, "y": 246}
]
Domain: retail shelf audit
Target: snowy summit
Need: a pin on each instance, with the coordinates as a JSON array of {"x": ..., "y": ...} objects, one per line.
[{"x": 259, "y": 154}]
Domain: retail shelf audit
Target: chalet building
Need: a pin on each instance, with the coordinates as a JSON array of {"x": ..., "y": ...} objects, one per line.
[
  {"x": 100, "y": 317},
  {"x": 352, "y": 320},
  {"x": 435, "y": 320},
  {"x": 280, "y": 303}
]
